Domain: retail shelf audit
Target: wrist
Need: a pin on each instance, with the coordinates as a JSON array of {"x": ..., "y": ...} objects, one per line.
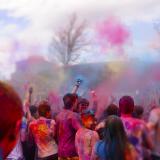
[{"x": 77, "y": 85}]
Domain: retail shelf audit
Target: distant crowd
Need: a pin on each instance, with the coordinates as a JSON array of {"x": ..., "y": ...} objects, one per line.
[{"x": 29, "y": 132}]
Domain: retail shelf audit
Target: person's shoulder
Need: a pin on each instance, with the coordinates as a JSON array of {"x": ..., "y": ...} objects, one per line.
[
  {"x": 134, "y": 122},
  {"x": 100, "y": 143},
  {"x": 79, "y": 131},
  {"x": 32, "y": 123},
  {"x": 72, "y": 114},
  {"x": 64, "y": 112},
  {"x": 59, "y": 114},
  {"x": 141, "y": 125},
  {"x": 156, "y": 111},
  {"x": 137, "y": 120},
  {"x": 140, "y": 122},
  {"x": 128, "y": 120},
  {"x": 94, "y": 132},
  {"x": 99, "y": 146},
  {"x": 84, "y": 132},
  {"x": 100, "y": 125}
]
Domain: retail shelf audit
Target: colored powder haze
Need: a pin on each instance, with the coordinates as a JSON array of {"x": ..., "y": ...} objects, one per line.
[{"x": 122, "y": 58}]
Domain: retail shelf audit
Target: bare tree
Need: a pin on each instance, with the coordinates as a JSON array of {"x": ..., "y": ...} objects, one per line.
[{"x": 69, "y": 42}]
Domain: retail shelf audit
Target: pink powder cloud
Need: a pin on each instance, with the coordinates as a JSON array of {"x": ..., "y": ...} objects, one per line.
[{"x": 113, "y": 33}]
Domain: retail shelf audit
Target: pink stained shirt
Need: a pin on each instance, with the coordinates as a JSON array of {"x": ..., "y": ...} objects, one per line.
[{"x": 68, "y": 122}]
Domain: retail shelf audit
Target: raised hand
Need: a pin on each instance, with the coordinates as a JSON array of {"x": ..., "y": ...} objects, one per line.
[
  {"x": 94, "y": 99},
  {"x": 30, "y": 90},
  {"x": 75, "y": 88},
  {"x": 79, "y": 82}
]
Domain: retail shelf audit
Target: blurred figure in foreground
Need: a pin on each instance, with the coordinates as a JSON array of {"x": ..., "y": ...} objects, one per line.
[{"x": 10, "y": 119}]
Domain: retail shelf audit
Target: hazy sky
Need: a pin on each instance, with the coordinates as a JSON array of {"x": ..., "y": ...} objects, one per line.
[{"x": 26, "y": 26}]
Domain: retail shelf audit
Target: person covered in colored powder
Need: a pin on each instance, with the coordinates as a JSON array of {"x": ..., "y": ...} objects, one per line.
[
  {"x": 43, "y": 131},
  {"x": 68, "y": 122},
  {"x": 137, "y": 130},
  {"x": 86, "y": 137},
  {"x": 31, "y": 114}
]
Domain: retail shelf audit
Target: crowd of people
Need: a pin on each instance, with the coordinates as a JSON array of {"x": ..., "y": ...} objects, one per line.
[{"x": 29, "y": 132}]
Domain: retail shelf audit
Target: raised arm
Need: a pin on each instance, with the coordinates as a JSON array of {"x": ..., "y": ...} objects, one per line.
[
  {"x": 27, "y": 103},
  {"x": 95, "y": 101},
  {"x": 75, "y": 88}
]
